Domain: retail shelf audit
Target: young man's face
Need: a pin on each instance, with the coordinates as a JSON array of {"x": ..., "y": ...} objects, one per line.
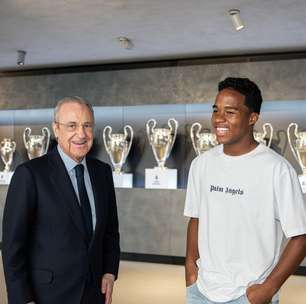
[{"x": 232, "y": 120}]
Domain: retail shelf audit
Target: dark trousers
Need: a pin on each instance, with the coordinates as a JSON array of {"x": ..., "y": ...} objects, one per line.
[{"x": 92, "y": 295}]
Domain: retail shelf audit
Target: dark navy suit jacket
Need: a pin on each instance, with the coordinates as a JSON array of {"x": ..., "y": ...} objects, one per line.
[{"x": 47, "y": 256}]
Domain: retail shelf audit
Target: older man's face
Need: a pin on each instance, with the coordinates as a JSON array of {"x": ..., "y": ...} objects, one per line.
[{"x": 74, "y": 130}]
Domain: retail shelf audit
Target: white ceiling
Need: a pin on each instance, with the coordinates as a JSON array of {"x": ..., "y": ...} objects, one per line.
[{"x": 78, "y": 32}]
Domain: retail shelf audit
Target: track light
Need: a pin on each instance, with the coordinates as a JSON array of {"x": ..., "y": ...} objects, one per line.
[
  {"x": 125, "y": 43},
  {"x": 235, "y": 16},
  {"x": 21, "y": 57}
]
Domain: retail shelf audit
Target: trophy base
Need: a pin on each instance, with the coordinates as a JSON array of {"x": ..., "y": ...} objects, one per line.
[
  {"x": 302, "y": 179},
  {"x": 123, "y": 180},
  {"x": 161, "y": 178},
  {"x": 5, "y": 178}
]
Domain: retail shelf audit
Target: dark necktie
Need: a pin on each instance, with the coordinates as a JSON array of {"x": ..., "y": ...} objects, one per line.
[{"x": 84, "y": 200}]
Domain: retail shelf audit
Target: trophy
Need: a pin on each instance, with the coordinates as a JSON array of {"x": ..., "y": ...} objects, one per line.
[
  {"x": 161, "y": 139},
  {"x": 260, "y": 136},
  {"x": 201, "y": 141},
  {"x": 36, "y": 145},
  {"x": 299, "y": 151},
  {"x": 7, "y": 149},
  {"x": 117, "y": 146}
]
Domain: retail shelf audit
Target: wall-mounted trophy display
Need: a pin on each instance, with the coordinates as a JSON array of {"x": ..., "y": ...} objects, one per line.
[
  {"x": 118, "y": 147},
  {"x": 201, "y": 141},
  {"x": 260, "y": 136},
  {"x": 298, "y": 148},
  {"x": 36, "y": 145},
  {"x": 7, "y": 149},
  {"x": 161, "y": 141}
]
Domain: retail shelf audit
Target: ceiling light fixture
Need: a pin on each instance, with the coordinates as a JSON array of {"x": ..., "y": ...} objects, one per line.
[
  {"x": 125, "y": 43},
  {"x": 21, "y": 57},
  {"x": 235, "y": 16}
]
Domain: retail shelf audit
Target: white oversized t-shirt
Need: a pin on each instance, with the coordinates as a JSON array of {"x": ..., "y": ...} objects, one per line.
[{"x": 245, "y": 204}]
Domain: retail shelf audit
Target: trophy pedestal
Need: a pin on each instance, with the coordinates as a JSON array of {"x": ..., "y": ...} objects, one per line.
[
  {"x": 161, "y": 178},
  {"x": 123, "y": 180},
  {"x": 302, "y": 179},
  {"x": 5, "y": 178}
]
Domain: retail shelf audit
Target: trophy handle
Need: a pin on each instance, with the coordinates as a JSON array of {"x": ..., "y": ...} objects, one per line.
[
  {"x": 289, "y": 138},
  {"x": 13, "y": 145},
  {"x": 175, "y": 123},
  {"x": 150, "y": 128},
  {"x": 110, "y": 130},
  {"x": 214, "y": 139},
  {"x": 26, "y": 133},
  {"x": 46, "y": 133},
  {"x": 192, "y": 129},
  {"x": 265, "y": 126},
  {"x": 126, "y": 129}
]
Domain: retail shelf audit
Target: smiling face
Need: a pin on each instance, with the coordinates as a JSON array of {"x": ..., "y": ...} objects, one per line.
[
  {"x": 75, "y": 143},
  {"x": 233, "y": 122}
]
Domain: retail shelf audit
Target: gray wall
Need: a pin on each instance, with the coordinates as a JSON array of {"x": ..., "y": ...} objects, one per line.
[
  {"x": 151, "y": 221},
  {"x": 279, "y": 80}
]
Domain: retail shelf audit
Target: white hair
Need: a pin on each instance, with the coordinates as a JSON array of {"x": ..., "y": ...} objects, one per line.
[{"x": 71, "y": 99}]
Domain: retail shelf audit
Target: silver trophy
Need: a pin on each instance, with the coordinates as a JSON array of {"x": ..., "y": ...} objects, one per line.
[
  {"x": 36, "y": 145},
  {"x": 161, "y": 139},
  {"x": 201, "y": 141},
  {"x": 298, "y": 148},
  {"x": 7, "y": 149},
  {"x": 118, "y": 146},
  {"x": 260, "y": 136}
]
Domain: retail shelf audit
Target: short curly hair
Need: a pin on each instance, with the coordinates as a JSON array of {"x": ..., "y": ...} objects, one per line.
[{"x": 246, "y": 87}]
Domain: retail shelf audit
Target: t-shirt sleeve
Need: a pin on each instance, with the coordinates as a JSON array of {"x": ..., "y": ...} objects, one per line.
[
  {"x": 291, "y": 205},
  {"x": 192, "y": 200}
]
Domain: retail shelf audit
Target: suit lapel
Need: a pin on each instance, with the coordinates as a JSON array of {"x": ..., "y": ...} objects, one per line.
[{"x": 62, "y": 184}]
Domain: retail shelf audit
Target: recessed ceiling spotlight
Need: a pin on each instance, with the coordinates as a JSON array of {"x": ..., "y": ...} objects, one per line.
[
  {"x": 21, "y": 57},
  {"x": 125, "y": 43},
  {"x": 235, "y": 16}
]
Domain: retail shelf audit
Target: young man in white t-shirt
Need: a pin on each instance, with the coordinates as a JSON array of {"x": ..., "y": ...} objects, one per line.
[{"x": 242, "y": 199}]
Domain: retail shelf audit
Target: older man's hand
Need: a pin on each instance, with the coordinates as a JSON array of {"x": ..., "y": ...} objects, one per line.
[{"x": 107, "y": 286}]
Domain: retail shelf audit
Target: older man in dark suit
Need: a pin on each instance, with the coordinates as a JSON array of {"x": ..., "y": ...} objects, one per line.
[{"x": 60, "y": 224}]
